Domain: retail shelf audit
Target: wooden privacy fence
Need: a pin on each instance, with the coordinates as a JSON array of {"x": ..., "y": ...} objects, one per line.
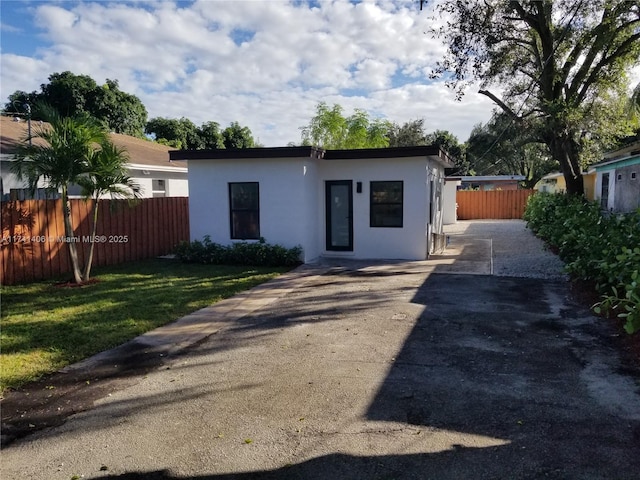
[
  {"x": 492, "y": 204},
  {"x": 34, "y": 246}
]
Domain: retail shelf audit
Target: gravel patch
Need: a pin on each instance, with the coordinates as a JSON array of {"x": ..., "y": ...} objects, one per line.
[{"x": 516, "y": 251}]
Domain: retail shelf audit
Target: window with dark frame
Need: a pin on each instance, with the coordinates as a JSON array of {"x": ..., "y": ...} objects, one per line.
[
  {"x": 158, "y": 188},
  {"x": 244, "y": 210},
  {"x": 386, "y": 204}
]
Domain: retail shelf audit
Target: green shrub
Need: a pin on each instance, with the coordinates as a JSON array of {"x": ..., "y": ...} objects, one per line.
[
  {"x": 598, "y": 248},
  {"x": 623, "y": 299},
  {"x": 239, "y": 253}
]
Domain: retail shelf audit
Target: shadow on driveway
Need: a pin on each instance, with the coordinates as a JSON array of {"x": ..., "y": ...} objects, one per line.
[
  {"x": 502, "y": 378},
  {"x": 398, "y": 373}
]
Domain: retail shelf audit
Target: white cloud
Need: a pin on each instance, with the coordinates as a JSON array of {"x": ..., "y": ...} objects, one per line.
[
  {"x": 265, "y": 64},
  {"x": 22, "y": 73}
]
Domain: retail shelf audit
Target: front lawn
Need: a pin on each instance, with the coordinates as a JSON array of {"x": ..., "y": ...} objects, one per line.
[{"x": 47, "y": 326}]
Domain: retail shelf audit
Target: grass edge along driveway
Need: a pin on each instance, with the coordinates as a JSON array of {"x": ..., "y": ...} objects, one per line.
[{"x": 46, "y": 326}]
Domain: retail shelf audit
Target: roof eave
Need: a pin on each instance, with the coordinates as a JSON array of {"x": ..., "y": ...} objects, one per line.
[{"x": 239, "y": 153}]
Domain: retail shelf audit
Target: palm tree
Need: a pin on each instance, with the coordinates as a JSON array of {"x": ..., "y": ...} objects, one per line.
[
  {"x": 106, "y": 175},
  {"x": 61, "y": 159}
]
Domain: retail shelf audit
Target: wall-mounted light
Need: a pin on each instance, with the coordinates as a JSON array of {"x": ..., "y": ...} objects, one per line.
[{"x": 359, "y": 187}]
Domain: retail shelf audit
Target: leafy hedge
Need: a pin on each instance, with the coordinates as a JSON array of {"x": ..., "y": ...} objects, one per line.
[
  {"x": 240, "y": 253},
  {"x": 604, "y": 249}
]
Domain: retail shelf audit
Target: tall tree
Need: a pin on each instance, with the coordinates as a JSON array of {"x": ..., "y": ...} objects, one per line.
[
  {"x": 184, "y": 134},
  {"x": 409, "y": 134},
  {"x": 236, "y": 136},
  {"x": 553, "y": 60},
  {"x": 62, "y": 159},
  {"x": 330, "y": 129},
  {"x": 119, "y": 111},
  {"x": 500, "y": 148},
  {"x": 74, "y": 95},
  {"x": 448, "y": 142},
  {"x": 211, "y": 136},
  {"x": 68, "y": 93},
  {"x": 18, "y": 100},
  {"x": 105, "y": 174},
  {"x": 180, "y": 133}
]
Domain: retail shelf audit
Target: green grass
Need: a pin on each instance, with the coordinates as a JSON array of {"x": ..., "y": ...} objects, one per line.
[{"x": 47, "y": 326}]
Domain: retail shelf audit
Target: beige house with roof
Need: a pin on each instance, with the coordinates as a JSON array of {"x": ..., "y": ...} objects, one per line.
[{"x": 149, "y": 165}]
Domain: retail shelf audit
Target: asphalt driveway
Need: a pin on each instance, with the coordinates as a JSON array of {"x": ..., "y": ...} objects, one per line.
[{"x": 445, "y": 369}]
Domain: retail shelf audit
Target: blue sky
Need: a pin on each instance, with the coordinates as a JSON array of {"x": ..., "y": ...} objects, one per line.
[{"x": 264, "y": 63}]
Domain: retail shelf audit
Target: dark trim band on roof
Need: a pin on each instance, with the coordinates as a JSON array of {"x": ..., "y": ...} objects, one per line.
[
  {"x": 224, "y": 153},
  {"x": 432, "y": 151}
]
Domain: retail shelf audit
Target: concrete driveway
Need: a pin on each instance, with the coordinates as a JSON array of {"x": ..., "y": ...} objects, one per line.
[{"x": 370, "y": 371}]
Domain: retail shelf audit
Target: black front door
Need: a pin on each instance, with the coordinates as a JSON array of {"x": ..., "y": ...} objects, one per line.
[{"x": 339, "y": 208}]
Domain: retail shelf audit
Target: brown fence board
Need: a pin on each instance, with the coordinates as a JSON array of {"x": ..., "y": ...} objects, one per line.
[
  {"x": 33, "y": 246},
  {"x": 494, "y": 204}
]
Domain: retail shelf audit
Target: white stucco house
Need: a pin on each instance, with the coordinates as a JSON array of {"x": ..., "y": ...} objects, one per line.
[
  {"x": 365, "y": 204},
  {"x": 148, "y": 166}
]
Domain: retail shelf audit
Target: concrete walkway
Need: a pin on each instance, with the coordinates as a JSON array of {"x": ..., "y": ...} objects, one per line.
[{"x": 365, "y": 370}]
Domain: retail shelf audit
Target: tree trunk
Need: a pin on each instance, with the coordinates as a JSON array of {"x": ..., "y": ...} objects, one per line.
[
  {"x": 69, "y": 237},
  {"x": 94, "y": 228},
  {"x": 564, "y": 151}
]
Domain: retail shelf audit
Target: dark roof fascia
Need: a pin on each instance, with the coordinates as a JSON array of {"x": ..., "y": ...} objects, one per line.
[
  {"x": 228, "y": 153},
  {"x": 421, "y": 151},
  {"x": 432, "y": 151}
]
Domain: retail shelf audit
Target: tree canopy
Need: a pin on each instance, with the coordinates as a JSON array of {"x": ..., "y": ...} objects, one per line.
[
  {"x": 409, "y": 134},
  {"x": 330, "y": 129},
  {"x": 236, "y": 136},
  {"x": 184, "y": 134},
  {"x": 72, "y": 95},
  {"x": 499, "y": 147},
  {"x": 559, "y": 64},
  {"x": 448, "y": 142}
]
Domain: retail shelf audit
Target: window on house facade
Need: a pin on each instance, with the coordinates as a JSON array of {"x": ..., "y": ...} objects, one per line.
[
  {"x": 158, "y": 188},
  {"x": 244, "y": 210},
  {"x": 386, "y": 204}
]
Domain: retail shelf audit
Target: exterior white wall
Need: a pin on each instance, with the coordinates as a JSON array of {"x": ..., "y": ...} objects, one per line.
[
  {"x": 285, "y": 217},
  {"x": 408, "y": 242},
  {"x": 176, "y": 183},
  {"x": 312, "y": 241},
  {"x": 178, "y": 187},
  {"x": 450, "y": 207},
  {"x": 292, "y": 203}
]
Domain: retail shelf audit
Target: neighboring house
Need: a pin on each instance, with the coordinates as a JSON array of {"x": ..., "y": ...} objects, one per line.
[
  {"x": 555, "y": 183},
  {"x": 488, "y": 182},
  {"x": 370, "y": 204},
  {"x": 617, "y": 183},
  {"x": 149, "y": 165}
]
